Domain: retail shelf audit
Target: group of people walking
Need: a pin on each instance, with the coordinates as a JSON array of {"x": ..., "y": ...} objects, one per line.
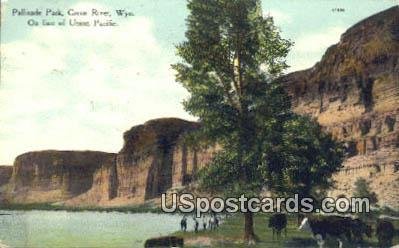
[{"x": 207, "y": 222}]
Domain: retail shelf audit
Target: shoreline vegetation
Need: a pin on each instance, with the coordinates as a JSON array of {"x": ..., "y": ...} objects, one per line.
[
  {"x": 150, "y": 208},
  {"x": 143, "y": 208}
]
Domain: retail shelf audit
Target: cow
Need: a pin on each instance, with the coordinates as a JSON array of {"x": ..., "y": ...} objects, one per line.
[
  {"x": 323, "y": 226},
  {"x": 359, "y": 228},
  {"x": 385, "y": 232},
  {"x": 278, "y": 222}
]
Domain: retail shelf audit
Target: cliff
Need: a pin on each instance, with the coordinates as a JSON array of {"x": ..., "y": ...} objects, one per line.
[
  {"x": 155, "y": 158},
  {"x": 353, "y": 92},
  {"x": 5, "y": 174},
  {"x": 51, "y": 176}
]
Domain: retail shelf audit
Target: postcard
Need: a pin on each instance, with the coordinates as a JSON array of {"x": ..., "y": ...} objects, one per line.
[{"x": 199, "y": 123}]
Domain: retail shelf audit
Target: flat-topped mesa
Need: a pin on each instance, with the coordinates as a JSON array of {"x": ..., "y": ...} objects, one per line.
[
  {"x": 155, "y": 157},
  {"x": 163, "y": 133},
  {"x": 49, "y": 176},
  {"x": 354, "y": 93}
]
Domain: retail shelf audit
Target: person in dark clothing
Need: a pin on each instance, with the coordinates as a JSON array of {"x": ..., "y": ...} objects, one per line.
[
  {"x": 196, "y": 224},
  {"x": 204, "y": 223},
  {"x": 183, "y": 224}
]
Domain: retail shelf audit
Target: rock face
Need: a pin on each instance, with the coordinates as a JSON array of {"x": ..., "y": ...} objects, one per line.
[
  {"x": 50, "y": 176},
  {"x": 103, "y": 188},
  {"x": 5, "y": 174},
  {"x": 354, "y": 93},
  {"x": 155, "y": 157}
]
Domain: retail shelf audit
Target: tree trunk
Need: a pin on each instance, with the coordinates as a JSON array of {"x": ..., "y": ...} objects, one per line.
[{"x": 249, "y": 235}]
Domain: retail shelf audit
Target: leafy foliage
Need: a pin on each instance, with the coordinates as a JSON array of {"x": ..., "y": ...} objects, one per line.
[
  {"x": 230, "y": 64},
  {"x": 362, "y": 189},
  {"x": 299, "y": 158}
]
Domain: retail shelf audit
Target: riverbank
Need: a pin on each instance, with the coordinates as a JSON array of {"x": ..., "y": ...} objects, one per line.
[
  {"x": 143, "y": 208},
  {"x": 230, "y": 234}
]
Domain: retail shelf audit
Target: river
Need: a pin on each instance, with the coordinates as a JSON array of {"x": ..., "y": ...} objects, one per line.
[{"x": 82, "y": 229}]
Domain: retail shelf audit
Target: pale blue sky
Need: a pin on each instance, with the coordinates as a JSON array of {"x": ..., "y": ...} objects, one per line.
[{"x": 81, "y": 88}]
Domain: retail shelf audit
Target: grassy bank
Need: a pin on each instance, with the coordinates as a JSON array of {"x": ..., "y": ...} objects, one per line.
[
  {"x": 230, "y": 234},
  {"x": 144, "y": 208}
]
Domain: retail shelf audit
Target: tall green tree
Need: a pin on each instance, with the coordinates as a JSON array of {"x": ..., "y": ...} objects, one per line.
[{"x": 230, "y": 64}]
